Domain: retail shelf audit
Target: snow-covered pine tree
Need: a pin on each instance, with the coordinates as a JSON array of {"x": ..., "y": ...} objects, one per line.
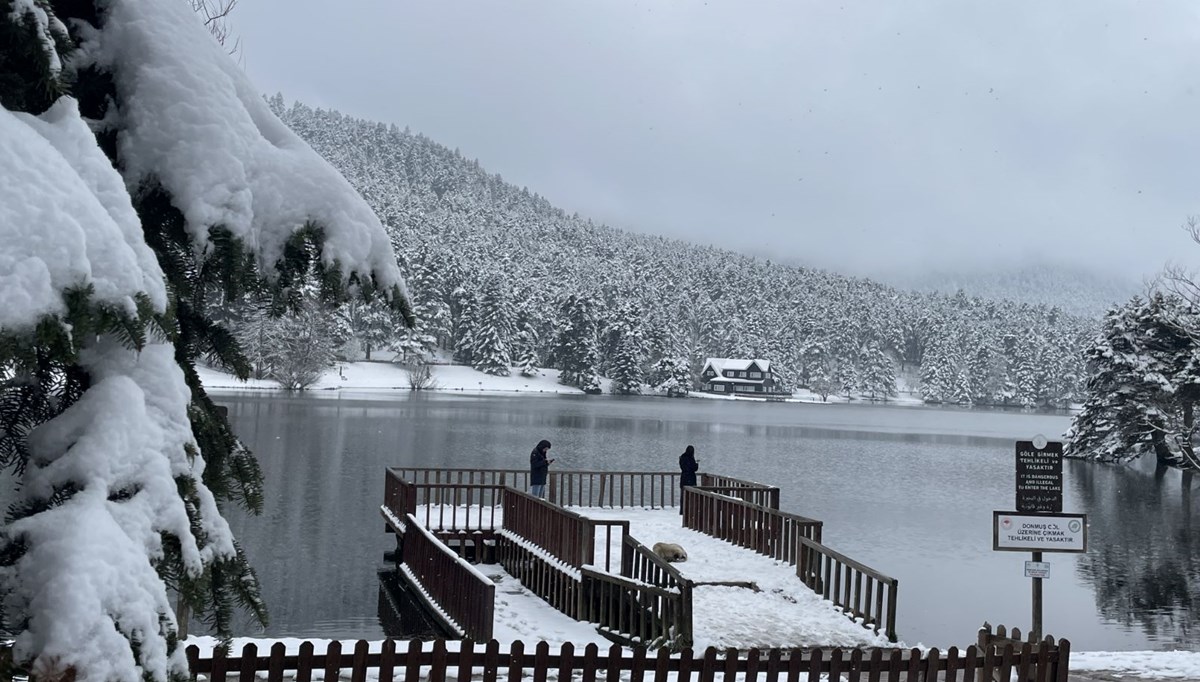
[
  {"x": 626, "y": 370},
  {"x": 527, "y": 358},
  {"x": 574, "y": 349},
  {"x": 671, "y": 376},
  {"x": 372, "y": 325},
  {"x": 492, "y": 334},
  {"x": 1143, "y": 385},
  {"x": 878, "y": 378},
  {"x": 119, "y": 455},
  {"x": 301, "y": 346}
]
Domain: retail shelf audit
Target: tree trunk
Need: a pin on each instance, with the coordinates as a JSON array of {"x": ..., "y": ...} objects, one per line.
[
  {"x": 1189, "y": 428},
  {"x": 367, "y": 347},
  {"x": 1161, "y": 451}
]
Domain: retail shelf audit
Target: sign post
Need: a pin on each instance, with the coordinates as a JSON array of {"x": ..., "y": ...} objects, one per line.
[{"x": 1038, "y": 524}]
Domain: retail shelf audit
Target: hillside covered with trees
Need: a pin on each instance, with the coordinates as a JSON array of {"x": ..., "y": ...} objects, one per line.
[{"x": 508, "y": 282}]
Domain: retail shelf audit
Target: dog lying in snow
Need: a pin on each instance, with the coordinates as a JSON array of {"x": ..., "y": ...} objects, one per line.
[{"x": 670, "y": 551}]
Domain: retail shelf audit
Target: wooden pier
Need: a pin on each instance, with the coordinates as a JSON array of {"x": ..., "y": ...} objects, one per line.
[{"x": 592, "y": 569}]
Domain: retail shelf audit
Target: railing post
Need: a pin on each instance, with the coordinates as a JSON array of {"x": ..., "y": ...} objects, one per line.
[{"x": 891, "y": 611}]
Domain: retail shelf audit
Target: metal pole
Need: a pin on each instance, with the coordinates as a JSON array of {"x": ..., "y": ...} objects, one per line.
[{"x": 1036, "y": 631}]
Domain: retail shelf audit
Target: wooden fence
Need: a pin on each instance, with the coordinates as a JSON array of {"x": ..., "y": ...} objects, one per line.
[
  {"x": 656, "y": 607},
  {"x": 566, "y": 535},
  {"x": 861, "y": 591},
  {"x": 460, "y": 591},
  {"x": 750, "y": 491},
  {"x": 559, "y": 588},
  {"x": 753, "y": 526},
  {"x": 1048, "y": 661},
  {"x": 653, "y": 489}
]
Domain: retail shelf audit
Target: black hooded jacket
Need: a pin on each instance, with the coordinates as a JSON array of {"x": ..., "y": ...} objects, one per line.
[
  {"x": 688, "y": 467},
  {"x": 538, "y": 465}
]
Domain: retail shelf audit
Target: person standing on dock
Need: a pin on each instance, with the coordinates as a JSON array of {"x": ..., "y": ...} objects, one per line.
[
  {"x": 688, "y": 466},
  {"x": 539, "y": 467}
]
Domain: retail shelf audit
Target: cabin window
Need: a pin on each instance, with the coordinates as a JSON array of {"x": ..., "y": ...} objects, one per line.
[{"x": 755, "y": 375}]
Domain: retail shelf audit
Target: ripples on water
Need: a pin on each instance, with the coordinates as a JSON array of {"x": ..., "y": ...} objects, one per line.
[{"x": 908, "y": 491}]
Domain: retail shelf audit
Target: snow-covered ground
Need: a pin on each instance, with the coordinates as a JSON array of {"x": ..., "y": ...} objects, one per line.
[
  {"x": 384, "y": 375},
  {"x": 784, "y": 612},
  {"x": 390, "y": 376},
  {"x": 728, "y": 616}
]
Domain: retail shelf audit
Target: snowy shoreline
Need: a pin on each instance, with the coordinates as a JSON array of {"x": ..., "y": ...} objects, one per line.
[{"x": 382, "y": 375}]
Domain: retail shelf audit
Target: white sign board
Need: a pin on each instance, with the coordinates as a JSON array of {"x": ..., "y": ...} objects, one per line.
[
  {"x": 1037, "y": 569},
  {"x": 1013, "y": 532}
]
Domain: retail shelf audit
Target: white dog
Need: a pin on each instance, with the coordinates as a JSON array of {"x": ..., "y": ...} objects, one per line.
[{"x": 670, "y": 551}]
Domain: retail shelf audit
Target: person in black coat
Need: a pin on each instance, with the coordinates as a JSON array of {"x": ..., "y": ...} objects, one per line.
[
  {"x": 688, "y": 466},
  {"x": 539, "y": 467}
]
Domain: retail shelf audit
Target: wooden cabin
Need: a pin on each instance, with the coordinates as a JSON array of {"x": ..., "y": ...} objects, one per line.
[{"x": 744, "y": 377}]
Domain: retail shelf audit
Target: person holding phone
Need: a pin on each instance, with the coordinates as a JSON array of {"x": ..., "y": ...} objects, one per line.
[{"x": 539, "y": 468}]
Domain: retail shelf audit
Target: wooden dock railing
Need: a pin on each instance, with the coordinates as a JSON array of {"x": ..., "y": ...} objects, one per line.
[
  {"x": 399, "y": 495},
  {"x": 750, "y": 491},
  {"x": 634, "y": 612},
  {"x": 566, "y": 535},
  {"x": 652, "y": 489},
  {"x": 456, "y": 588},
  {"x": 745, "y": 524},
  {"x": 859, "y": 590},
  {"x": 1048, "y": 661}
]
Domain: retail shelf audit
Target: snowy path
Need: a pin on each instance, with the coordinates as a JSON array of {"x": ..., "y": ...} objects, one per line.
[{"x": 783, "y": 613}]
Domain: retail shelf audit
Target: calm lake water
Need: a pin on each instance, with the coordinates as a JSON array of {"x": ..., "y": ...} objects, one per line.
[{"x": 909, "y": 491}]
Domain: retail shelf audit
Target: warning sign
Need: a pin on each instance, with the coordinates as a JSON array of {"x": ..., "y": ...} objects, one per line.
[
  {"x": 1016, "y": 532},
  {"x": 1039, "y": 476}
]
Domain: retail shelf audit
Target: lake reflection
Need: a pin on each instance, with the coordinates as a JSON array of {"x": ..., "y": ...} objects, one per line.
[{"x": 908, "y": 491}]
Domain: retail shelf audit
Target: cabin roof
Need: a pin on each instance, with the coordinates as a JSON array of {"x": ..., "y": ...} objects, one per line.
[{"x": 738, "y": 364}]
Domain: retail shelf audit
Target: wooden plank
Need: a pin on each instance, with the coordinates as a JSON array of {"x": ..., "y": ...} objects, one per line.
[
  {"x": 856, "y": 665},
  {"x": 708, "y": 667},
  {"x": 932, "y": 660},
  {"x": 613, "y": 673},
  {"x": 836, "y": 662},
  {"x": 541, "y": 661},
  {"x": 412, "y": 667},
  {"x": 358, "y": 671},
  {"x": 439, "y": 662},
  {"x": 219, "y": 665},
  {"x": 249, "y": 663},
  {"x": 304, "y": 663},
  {"x": 275, "y": 663},
  {"x": 875, "y": 665},
  {"x": 491, "y": 661},
  {"x": 1023, "y": 666},
  {"x": 1043, "y": 662},
  {"x": 516, "y": 656},
  {"x": 815, "y": 657},
  {"x": 387, "y": 660},
  {"x": 896, "y": 666},
  {"x": 466, "y": 659},
  {"x": 731, "y": 664},
  {"x": 566, "y": 663},
  {"x": 1006, "y": 660},
  {"x": 1064, "y": 659},
  {"x": 952, "y": 664},
  {"x": 638, "y": 667},
  {"x": 662, "y": 665},
  {"x": 752, "y": 664},
  {"x": 590, "y": 654},
  {"x": 795, "y": 665}
]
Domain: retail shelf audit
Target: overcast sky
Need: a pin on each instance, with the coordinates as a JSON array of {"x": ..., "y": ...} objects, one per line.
[{"x": 856, "y": 136}]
